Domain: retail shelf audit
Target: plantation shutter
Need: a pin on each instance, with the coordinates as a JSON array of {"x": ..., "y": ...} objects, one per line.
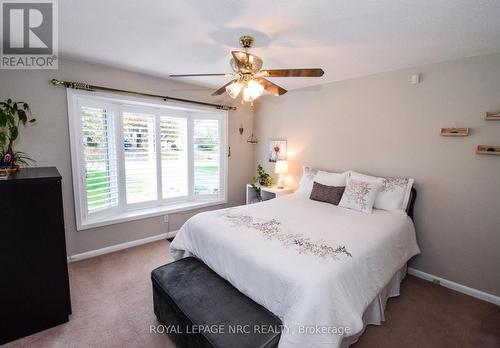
[
  {"x": 206, "y": 142},
  {"x": 132, "y": 158},
  {"x": 174, "y": 157},
  {"x": 100, "y": 165},
  {"x": 139, "y": 147}
]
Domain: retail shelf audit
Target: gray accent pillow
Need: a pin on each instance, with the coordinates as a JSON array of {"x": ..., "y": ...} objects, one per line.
[{"x": 325, "y": 193}]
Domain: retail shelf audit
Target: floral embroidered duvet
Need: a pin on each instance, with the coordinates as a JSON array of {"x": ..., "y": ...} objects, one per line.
[{"x": 315, "y": 265}]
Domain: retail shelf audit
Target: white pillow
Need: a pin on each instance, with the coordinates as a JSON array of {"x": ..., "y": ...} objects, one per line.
[
  {"x": 394, "y": 194},
  {"x": 331, "y": 179},
  {"x": 360, "y": 195},
  {"x": 310, "y": 175},
  {"x": 307, "y": 180}
]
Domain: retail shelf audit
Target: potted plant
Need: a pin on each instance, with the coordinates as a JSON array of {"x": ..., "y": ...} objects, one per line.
[
  {"x": 12, "y": 116},
  {"x": 262, "y": 179}
]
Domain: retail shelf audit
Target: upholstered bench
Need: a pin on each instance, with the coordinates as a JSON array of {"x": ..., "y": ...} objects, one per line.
[{"x": 198, "y": 308}]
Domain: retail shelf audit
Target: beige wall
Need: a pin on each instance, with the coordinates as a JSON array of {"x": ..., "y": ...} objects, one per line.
[
  {"x": 383, "y": 125},
  {"x": 48, "y": 141},
  {"x": 380, "y": 125}
]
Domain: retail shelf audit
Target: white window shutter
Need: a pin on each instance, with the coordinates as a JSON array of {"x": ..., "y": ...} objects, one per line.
[
  {"x": 207, "y": 161},
  {"x": 100, "y": 167},
  {"x": 134, "y": 158},
  {"x": 139, "y": 146},
  {"x": 174, "y": 157}
]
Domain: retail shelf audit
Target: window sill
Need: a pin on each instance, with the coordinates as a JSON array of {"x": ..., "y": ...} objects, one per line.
[{"x": 145, "y": 213}]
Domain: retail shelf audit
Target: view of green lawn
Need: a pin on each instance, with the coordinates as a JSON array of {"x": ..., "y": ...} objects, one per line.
[{"x": 97, "y": 182}]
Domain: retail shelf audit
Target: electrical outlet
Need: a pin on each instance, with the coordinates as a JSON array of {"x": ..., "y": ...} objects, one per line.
[{"x": 165, "y": 218}]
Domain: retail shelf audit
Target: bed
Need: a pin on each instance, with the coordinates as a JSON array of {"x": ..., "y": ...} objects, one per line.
[{"x": 324, "y": 270}]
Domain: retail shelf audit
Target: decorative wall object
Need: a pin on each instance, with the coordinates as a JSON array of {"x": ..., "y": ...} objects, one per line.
[
  {"x": 488, "y": 150},
  {"x": 454, "y": 132},
  {"x": 492, "y": 116},
  {"x": 253, "y": 140},
  {"x": 277, "y": 150}
]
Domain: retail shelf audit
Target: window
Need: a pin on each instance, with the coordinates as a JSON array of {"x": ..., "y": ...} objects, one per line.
[
  {"x": 140, "y": 157},
  {"x": 206, "y": 157},
  {"x": 133, "y": 158},
  {"x": 174, "y": 159}
]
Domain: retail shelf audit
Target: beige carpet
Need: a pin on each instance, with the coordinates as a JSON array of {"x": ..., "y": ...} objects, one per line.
[
  {"x": 112, "y": 307},
  {"x": 111, "y": 297}
]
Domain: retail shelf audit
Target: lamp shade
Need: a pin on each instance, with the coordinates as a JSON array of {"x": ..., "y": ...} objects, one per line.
[
  {"x": 234, "y": 89},
  {"x": 252, "y": 91},
  {"x": 281, "y": 167}
]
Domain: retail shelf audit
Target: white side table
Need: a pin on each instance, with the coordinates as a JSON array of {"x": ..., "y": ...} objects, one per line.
[{"x": 266, "y": 193}]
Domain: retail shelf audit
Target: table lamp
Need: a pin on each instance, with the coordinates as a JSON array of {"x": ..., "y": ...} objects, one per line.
[{"x": 281, "y": 169}]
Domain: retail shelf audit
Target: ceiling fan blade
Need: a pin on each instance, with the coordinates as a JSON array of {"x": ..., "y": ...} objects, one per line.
[
  {"x": 188, "y": 75},
  {"x": 223, "y": 88},
  {"x": 245, "y": 62},
  {"x": 271, "y": 87},
  {"x": 308, "y": 72}
]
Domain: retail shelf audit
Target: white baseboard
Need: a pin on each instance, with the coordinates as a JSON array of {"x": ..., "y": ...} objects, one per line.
[
  {"x": 117, "y": 247},
  {"x": 455, "y": 286}
]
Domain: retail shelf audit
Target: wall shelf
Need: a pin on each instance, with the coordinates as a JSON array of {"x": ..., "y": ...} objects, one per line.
[
  {"x": 454, "y": 132},
  {"x": 488, "y": 150},
  {"x": 492, "y": 116}
]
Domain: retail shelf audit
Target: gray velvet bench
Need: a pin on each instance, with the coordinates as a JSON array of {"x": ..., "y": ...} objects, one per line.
[{"x": 198, "y": 308}]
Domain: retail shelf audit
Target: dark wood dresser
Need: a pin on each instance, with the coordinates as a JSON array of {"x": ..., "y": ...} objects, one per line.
[{"x": 34, "y": 286}]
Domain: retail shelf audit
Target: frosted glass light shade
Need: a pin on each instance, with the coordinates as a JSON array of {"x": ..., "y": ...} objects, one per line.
[
  {"x": 281, "y": 167},
  {"x": 234, "y": 89},
  {"x": 252, "y": 91}
]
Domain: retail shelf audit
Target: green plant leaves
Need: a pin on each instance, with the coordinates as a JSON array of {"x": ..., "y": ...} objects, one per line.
[
  {"x": 3, "y": 118},
  {"x": 12, "y": 114},
  {"x": 14, "y": 133},
  {"x": 263, "y": 178},
  {"x": 22, "y": 157},
  {"x": 22, "y": 116}
]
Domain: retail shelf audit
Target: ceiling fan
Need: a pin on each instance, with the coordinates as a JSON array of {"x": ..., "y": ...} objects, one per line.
[{"x": 248, "y": 75}]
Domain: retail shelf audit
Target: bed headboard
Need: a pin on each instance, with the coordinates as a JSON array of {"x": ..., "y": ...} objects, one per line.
[{"x": 411, "y": 202}]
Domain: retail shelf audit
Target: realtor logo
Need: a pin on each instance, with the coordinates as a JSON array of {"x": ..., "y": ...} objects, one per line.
[{"x": 29, "y": 34}]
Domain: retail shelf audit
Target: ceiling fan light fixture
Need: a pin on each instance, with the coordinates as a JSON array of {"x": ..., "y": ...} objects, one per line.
[
  {"x": 234, "y": 89},
  {"x": 248, "y": 75},
  {"x": 252, "y": 91}
]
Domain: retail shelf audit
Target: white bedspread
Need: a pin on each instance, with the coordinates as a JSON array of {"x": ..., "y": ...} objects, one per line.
[{"x": 315, "y": 265}]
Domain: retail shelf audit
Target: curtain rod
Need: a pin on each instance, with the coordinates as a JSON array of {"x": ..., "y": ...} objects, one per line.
[{"x": 92, "y": 88}]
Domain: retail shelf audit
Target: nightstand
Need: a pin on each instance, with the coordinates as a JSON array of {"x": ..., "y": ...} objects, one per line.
[{"x": 266, "y": 193}]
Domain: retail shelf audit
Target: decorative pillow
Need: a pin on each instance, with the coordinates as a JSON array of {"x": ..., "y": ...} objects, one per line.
[
  {"x": 331, "y": 179},
  {"x": 395, "y": 192},
  {"x": 306, "y": 182},
  {"x": 360, "y": 195},
  {"x": 324, "y": 193},
  {"x": 309, "y": 175}
]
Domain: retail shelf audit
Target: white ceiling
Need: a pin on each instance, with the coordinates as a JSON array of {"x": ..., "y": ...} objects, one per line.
[{"x": 347, "y": 38}]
